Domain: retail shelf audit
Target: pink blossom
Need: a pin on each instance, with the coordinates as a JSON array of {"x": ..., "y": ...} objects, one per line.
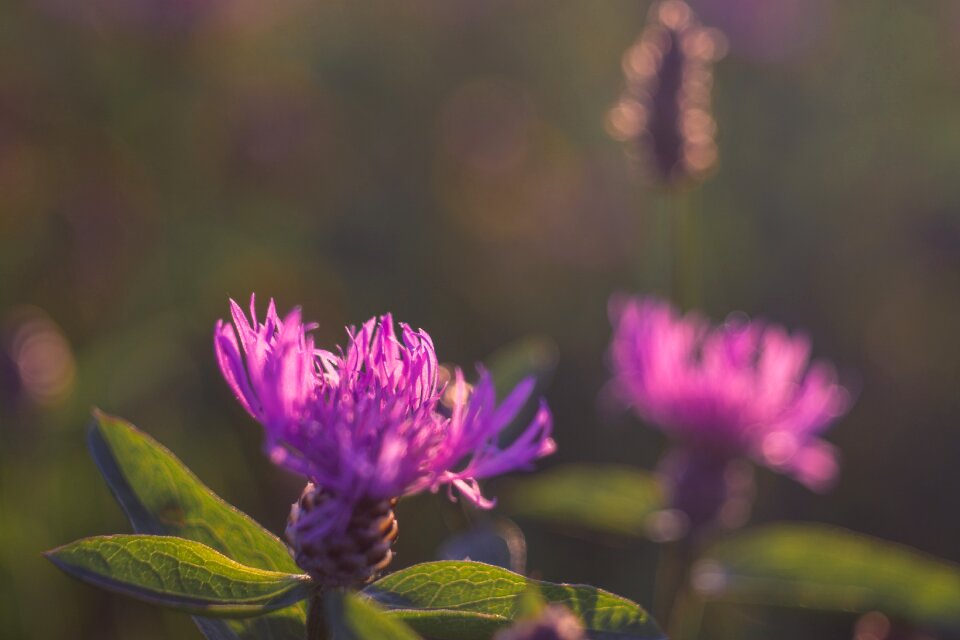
[{"x": 743, "y": 388}]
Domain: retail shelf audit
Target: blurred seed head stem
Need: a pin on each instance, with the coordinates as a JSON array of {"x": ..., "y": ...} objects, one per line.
[
  {"x": 664, "y": 113},
  {"x": 665, "y": 118}
]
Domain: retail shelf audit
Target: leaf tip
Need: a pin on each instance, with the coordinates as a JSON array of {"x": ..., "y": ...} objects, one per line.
[
  {"x": 99, "y": 415},
  {"x": 53, "y": 555}
]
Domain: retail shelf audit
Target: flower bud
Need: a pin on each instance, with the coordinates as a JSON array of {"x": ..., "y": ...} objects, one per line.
[
  {"x": 341, "y": 556},
  {"x": 553, "y": 623},
  {"x": 665, "y": 110}
]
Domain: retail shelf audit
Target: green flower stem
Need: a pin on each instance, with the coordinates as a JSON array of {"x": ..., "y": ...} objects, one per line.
[
  {"x": 673, "y": 570},
  {"x": 662, "y": 249},
  {"x": 673, "y": 265},
  {"x": 687, "y": 617},
  {"x": 686, "y": 272},
  {"x": 316, "y": 618}
]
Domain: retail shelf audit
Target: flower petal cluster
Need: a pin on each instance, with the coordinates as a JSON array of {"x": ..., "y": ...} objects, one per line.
[
  {"x": 365, "y": 422},
  {"x": 743, "y": 388}
]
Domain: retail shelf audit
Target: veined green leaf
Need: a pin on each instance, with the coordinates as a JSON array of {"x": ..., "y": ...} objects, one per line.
[
  {"x": 353, "y": 617},
  {"x": 161, "y": 496},
  {"x": 470, "y": 601},
  {"x": 826, "y": 568},
  {"x": 605, "y": 498},
  {"x": 447, "y": 624},
  {"x": 180, "y": 574}
]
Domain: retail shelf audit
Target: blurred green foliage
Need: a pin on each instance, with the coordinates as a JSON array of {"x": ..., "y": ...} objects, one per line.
[
  {"x": 446, "y": 160},
  {"x": 818, "y": 567},
  {"x": 598, "y": 499}
]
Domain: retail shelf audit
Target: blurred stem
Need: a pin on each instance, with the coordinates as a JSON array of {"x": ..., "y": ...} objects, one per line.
[
  {"x": 674, "y": 261},
  {"x": 316, "y": 619},
  {"x": 662, "y": 263},
  {"x": 686, "y": 244},
  {"x": 673, "y": 569},
  {"x": 687, "y": 617}
]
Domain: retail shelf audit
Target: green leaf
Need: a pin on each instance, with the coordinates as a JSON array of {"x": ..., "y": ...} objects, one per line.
[
  {"x": 353, "y": 617},
  {"x": 180, "y": 574},
  {"x": 161, "y": 496},
  {"x": 830, "y": 569},
  {"x": 531, "y": 603},
  {"x": 283, "y": 624},
  {"x": 450, "y": 600},
  {"x": 605, "y": 498}
]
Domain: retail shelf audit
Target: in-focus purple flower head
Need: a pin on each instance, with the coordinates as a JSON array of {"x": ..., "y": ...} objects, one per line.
[
  {"x": 739, "y": 389},
  {"x": 365, "y": 423}
]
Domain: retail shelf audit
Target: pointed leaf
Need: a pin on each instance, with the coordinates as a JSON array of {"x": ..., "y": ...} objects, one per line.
[
  {"x": 831, "y": 569},
  {"x": 180, "y": 574},
  {"x": 470, "y": 600},
  {"x": 161, "y": 496},
  {"x": 353, "y": 617},
  {"x": 605, "y": 498}
]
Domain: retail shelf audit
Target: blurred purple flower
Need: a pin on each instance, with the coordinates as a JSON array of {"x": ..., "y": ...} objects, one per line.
[
  {"x": 365, "y": 424},
  {"x": 739, "y": 389}
]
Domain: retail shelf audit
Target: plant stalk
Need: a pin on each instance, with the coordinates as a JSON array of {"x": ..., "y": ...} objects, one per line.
[
  {"x": 660, "y": 263},
  {"x": 673, "y": 570},
  {"x": 687, "y": 617},
  {"x": 687, "y": 275},
  {"x": 316, "y": 618},
  {"x": 673, "y": 265}
]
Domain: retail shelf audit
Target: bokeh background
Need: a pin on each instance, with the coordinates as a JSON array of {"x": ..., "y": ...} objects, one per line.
[{"x": 447, "y": 160}]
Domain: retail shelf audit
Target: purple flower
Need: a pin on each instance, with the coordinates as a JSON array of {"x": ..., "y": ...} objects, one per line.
[
  {"x": 365, "y": 423},
  {"x": 738, "y": 389}
]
